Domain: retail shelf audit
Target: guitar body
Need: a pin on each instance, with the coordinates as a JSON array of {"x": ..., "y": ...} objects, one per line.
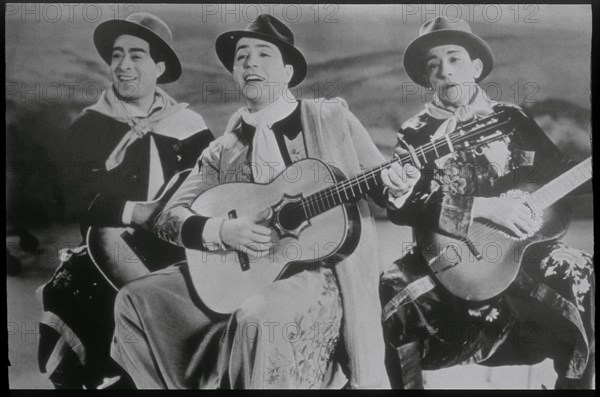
[
  {"x": 123, "y": 254},
  {"x": 218, "y": 276},
  {"x": 487, "y": 262}
]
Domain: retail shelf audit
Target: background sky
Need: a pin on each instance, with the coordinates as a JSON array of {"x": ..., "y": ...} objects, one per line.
[{"x": 354, "y": 51}]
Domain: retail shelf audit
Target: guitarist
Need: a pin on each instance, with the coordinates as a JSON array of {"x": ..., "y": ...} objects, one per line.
[
  {"x": 287, "y": 336},
  {"x": 548, "y": 311},
  {"x": 122, "y": 149}
]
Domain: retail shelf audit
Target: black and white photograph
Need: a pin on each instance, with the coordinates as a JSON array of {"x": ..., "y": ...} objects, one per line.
[{"x": 299, "y": 196}]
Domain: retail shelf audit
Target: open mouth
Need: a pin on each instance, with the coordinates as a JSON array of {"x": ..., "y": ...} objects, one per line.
[
  {"x": 253, "y": 78},
  {"x": 126, "y": 78}
]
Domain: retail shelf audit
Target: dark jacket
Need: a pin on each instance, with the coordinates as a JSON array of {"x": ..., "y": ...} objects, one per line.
[
  {"x": 443, "y": 198},
  {"x": 91, "y": 138}
]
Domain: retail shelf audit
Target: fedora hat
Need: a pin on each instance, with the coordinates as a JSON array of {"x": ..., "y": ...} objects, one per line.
[
  {"x": 147, "y": 27},
  {"x": 443, "y": 31},
  {"x": 268, "y": 28}
]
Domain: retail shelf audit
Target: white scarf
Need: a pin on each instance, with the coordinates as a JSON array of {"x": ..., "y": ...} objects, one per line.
[
  {"x": 480, "y": 105},
  {"x": 267, "y": 161},
  {"x": 171, "y": 119}
]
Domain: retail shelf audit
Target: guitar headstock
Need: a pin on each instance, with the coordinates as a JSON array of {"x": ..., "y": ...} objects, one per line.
[{"x": 491, "y": 128}]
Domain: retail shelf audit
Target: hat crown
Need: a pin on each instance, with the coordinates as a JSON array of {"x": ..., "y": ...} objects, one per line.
[
  {"x": 268, "y": 28},
  {"x": 443, "y": 23},
  {"x": 269, "y": 25},
  {"x": 152, "y": 23},
  {"x": 147, "y": 27},
  {"x": 445, "y": 31}
]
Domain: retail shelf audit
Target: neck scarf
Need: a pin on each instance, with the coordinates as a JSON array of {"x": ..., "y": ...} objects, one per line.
[
  {"x": 480, "y": 105},
  {"x": 267, "y": 161},
  {"x": 160, "y": 117}
]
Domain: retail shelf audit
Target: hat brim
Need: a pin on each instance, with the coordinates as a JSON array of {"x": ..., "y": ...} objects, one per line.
[
  {"x": 225, "y": 47},
  {"x": 416, "y": 50},
  {"x": 107, "y": 32}
]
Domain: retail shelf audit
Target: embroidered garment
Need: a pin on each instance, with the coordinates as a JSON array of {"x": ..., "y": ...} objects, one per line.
[
  {"x": 553, "y": 294},
  {"x": 332, "y": 133}
]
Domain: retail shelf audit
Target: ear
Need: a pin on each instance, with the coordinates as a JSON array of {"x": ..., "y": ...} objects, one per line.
[
  {"x": 477, "y": 68},
  {"x": 160, "y": 69},
  {"x": 289, "y": 72},
  {"x": 425, "y": 81}
]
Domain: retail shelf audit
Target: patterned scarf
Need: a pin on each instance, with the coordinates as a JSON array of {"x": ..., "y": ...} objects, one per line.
[{"x": 480, "y": 106}]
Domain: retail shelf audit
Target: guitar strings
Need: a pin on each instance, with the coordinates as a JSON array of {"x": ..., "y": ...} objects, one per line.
[
  {"x": 484, "y": 232},
  {"x": 322, "y": 197}
]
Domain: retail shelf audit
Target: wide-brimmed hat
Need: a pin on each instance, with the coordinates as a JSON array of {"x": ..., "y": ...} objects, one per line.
[
  {"x": 268, "y": 28},
  {"x": 147, "y": 27},
  {"x": 443, "y": 31}
]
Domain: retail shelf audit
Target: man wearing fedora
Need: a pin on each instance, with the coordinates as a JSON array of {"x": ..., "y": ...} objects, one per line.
[
  {"x": 548, "y": 310},
  {"x": 123, "y": 149},
  {"x": 337, "y": 339}
]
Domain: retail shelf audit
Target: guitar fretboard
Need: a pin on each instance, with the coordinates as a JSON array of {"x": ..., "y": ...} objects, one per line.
[
  {"x": 470, "y": 135},
  {"x": 562, "y": 185}
]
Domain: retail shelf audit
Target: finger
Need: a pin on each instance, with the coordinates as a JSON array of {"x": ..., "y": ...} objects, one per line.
[
  {"x": 524, "y": 226},
  {"x": 397, "y": 179},
  {"x": 526, "y": 218},
  {"x": 263, "y": 215},
  {"x": 259, "y": 229},
  {"x": 257, "y": 250},
  {"x": 385, "y": 178},
  {"x": 261, "y": 238},
  {"x": 515, "y": 230},
  {"x": 253, "y": 255},
  {"x": 411, "y": 171},
  {"x": 397, "y": 168},
  {"x": 399, "y": 149}
]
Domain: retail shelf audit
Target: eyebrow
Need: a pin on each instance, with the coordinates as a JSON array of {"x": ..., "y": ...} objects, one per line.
[
  {"x": 130, "y": 50},
  {"x": 450, "y": 52},
  {"x": 244, "y": 46}
]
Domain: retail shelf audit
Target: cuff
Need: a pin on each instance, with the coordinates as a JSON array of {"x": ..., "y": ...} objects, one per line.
[
  {"x": 398, "y": 202},
  {"x": 192, "y": 231},
  {"x": 456, "y": 215},
  {"x": 211, "y": 237},
  {"x": 127, "y": 212}
]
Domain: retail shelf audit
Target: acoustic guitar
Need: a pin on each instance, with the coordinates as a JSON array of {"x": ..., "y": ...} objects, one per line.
[
  {"x": 313, "y": 216},
  {"x": 487, "y": 261},
  {"x": 123, "y": 254}
]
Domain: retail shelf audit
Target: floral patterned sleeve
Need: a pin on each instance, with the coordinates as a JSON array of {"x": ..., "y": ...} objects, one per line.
[
  {"x": 438, "y": 201},
  {"x": 177, "y": 223},
  {"x": 443, "y": 199}
]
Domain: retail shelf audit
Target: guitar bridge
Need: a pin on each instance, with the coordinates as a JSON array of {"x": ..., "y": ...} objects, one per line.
[
  {"x": 473, "y": 249},
  {"x": 243, "y": 258},
  {"x": 446, "y": 268},
  {"x": 443, "y": 252}
]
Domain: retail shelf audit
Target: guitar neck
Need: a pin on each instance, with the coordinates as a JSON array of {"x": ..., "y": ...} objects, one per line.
[
  {"x": 470, "y": 135},
  {"x": 562, "y": 185}
]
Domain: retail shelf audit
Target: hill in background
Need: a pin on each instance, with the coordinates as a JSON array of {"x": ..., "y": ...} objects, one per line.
[{"x": 53, "y": 71}]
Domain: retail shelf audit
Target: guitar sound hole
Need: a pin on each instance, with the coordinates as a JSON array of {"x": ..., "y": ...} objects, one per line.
[{"x": 291, "y": 215}]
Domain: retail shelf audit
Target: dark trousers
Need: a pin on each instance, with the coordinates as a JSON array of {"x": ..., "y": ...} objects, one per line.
[{"x": 77, "y": 326}]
